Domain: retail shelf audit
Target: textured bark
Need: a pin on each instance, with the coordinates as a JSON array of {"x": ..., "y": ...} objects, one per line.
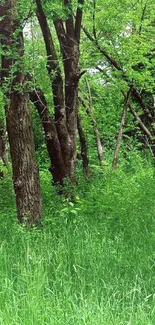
[
  {"x": 69, "y": 46},
  {"x": 25, "y": 171},
  {"x": 58, "y": 94},
  {"x": 51, "y": 138},
  {"x": 55, "y": 76},
  {"x": 64, "y": 90}
]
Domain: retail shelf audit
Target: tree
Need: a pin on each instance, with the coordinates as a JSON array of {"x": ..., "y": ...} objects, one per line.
[
  {"x": 18, "y": 121},
  {"x": 61, "y": 132},
  {"x": 125, "y": 49}
]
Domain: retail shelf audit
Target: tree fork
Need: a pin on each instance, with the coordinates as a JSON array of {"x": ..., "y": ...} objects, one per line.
[{"x": 65, "y": 101}]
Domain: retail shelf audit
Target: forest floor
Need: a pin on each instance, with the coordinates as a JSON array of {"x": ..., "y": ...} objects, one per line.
[{"x": 94, "y": 262}]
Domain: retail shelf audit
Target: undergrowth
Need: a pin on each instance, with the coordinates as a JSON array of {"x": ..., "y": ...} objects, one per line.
[{"x": 94, "y": 261}]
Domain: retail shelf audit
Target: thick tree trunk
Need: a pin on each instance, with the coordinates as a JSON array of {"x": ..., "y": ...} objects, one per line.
[
  {"x": 71, "y": 68},
  {"x": 51, "y": 138},
  {"x": 69, "y": 39},
  {"x": 55, "y": 76},
  {"x": 64, "y": 91},
  {"x": 25, "y": 171}
]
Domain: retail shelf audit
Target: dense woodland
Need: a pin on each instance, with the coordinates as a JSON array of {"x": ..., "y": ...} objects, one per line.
[{"x": 77, "y": 159}]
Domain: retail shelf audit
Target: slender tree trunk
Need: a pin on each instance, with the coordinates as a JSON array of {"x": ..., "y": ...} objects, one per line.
[
  {"x": 119, "y": 138},
  {"x": 140, "y": 123},
  {"x": 25, "y": 170},
  {"x": 89, "y": 111},
  {"x": 96, "y": 131},
  {"x": 149, "y": 146},
  {"x": 3, "y": 146},
  {"x": 83, "y": 144}
]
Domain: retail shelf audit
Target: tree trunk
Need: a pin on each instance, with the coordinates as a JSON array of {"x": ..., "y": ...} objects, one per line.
[
  {"x": 51, "y": 138},
  {"x": 25, "y": 171},
  {"x": 3, "y": 146},
  {"x": 56, "y": 79},
  {"x": 83, "y": 144},
  {"x": 71, "y": 68},
  {"x": 95, "y": 128},
  {"x": 119, "y": 138},
  {"x": 96, "y": 131},
  {"x": 64, "y": 90}
]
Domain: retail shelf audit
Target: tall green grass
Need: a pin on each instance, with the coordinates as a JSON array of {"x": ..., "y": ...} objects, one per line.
[{"x": 94, "y": 262}]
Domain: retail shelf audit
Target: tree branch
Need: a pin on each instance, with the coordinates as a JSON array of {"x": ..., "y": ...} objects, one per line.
[
  {"x": 78, "y": 20},
  {"x": 138, "y": 119},
  {"x": 69, "y": 21},
  {"x": 109, "y": 58},
  {"x": 94, "y": 11},
  {"x": 52, "y": 61},
  {"x": 142, "y": 18},
  {"x": 118, "y": 67},
  {"x": 61, "y": 34}
]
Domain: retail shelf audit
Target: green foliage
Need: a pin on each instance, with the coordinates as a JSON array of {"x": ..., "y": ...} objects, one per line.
[
  {"x": 126, "y": 32},
  {"x": 123, "y": 29},
  {"x": 94, "y": 261}
]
